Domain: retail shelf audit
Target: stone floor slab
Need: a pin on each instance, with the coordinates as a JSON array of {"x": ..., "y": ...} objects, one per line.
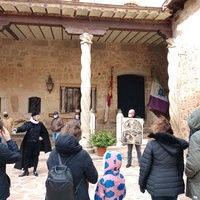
[{"x": 33, "y": 188}]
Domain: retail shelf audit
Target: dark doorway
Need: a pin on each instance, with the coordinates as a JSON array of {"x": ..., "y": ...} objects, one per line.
[{"x": 131, "y": 94}]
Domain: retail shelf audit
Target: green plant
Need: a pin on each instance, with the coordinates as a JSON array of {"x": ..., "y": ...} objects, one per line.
[{"x": 102, "y": 139}]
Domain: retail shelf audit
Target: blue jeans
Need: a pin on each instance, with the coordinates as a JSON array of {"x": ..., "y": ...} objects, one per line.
[
  {"x": 55, "y": 135},
  {"x": 164, "y": 198},
  {"x": 129, "y": 153}
]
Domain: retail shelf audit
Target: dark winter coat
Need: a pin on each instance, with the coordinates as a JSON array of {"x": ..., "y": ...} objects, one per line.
[
  {"x": 162, "y": 165},
  {"x": 8, "y": 154},
  {"x": 80, "y": 164},
  {"x": 57, "y": 124},
  {"x": 33, "y": 132},
  {"x": 192, "y": 169}
]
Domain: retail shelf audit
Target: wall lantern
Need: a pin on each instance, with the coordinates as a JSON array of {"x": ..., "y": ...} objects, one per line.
[{"x": 49, "y": 84}]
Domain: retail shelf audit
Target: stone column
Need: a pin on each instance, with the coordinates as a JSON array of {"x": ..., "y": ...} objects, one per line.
[
  {"x": 173, "y": 60},
  {"x": 86, "y": 41}
]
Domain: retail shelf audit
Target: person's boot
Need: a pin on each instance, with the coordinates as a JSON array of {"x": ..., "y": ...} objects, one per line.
[
  {"x": 128, "y": 165},
  {"x": 35, "y": 173},
  {"x": 24, "y": 174}
]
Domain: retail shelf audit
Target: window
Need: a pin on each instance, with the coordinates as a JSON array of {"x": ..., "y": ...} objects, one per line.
[
  {"x": 34, "y": 104},
  {"x": 71, "y": 99}
]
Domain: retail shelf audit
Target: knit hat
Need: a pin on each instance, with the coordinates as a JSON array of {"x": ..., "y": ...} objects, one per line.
[
  {"x": 55, "y": 113},
  {"x": 34, "y": 114}
]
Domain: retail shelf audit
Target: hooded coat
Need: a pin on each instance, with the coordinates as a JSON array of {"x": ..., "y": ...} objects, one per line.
[
  {"x": 192, "y": 169},
  {"x": 80, "y": 164},
  {"x": 8, "y": 154},
  {"x": 112, "y": 184},
  {"x": 162, "y": 165}
]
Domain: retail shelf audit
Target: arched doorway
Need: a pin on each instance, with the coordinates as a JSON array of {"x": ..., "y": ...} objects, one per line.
[{"x": 131, "y": 94}]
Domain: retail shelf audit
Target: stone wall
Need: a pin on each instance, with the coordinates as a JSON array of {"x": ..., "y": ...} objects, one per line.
[
  {"x": 26, "y": 64},
  {"x": 184, "y": 70}
]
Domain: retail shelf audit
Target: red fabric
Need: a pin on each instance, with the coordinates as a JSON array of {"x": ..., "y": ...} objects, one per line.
[{"x": 109, "y": 96}]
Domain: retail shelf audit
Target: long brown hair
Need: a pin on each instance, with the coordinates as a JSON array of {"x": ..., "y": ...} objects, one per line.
[
  {"x": 161, "y": 125},
  {"x": 73, "y": 128}
]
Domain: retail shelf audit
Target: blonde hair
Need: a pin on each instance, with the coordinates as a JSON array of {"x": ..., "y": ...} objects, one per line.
[
  {"x": 73, "y": 128},
  {"x": 161, "y": 125}
]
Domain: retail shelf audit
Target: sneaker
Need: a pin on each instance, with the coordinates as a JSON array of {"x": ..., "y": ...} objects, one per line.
[{"x": 128, "y": 165}]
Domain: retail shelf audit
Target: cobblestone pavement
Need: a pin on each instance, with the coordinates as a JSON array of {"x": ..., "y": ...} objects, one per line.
[{"x": 33, "y": 188}]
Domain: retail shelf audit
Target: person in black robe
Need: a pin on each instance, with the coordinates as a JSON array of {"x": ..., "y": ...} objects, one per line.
[{"x": 35, "y": 140}]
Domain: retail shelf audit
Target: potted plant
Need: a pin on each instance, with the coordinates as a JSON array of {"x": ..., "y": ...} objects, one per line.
[{"x": 101, "y": 140}]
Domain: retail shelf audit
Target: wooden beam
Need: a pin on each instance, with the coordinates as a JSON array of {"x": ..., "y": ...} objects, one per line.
[
  {"x": 4, "y": 24},
  {"x": 173, "y": 5},
  {"x": 74, "y": 25},
  {"x": 165, "y": 34},
  {"x": 12, "y": 33},
  {"x": 123, "y": 25},
  {"x": 176, "y": 5},
  {"x": 81, "y": 29}
]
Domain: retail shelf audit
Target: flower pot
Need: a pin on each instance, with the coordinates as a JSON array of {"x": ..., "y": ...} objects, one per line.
[{"x": 101, "y": 151}]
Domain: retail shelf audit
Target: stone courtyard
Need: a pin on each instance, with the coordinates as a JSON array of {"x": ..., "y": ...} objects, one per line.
[{"x": 33, "y": 188}]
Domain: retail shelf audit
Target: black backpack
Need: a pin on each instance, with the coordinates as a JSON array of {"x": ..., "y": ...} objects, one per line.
[{"x": 59, "y": 183}]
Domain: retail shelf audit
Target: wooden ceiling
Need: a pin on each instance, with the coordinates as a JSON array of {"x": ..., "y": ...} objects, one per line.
[{"x": 66, "y": 20}]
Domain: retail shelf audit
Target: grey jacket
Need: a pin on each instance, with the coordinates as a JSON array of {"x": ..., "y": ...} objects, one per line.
[{"x": 192, "y": 169}]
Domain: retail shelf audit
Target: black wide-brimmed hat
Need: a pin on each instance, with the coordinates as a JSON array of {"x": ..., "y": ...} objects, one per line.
[{"x": 34, "y": 114}]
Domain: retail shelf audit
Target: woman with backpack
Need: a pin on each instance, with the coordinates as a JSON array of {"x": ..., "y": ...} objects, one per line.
[{"x": 78, "y": 160}]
